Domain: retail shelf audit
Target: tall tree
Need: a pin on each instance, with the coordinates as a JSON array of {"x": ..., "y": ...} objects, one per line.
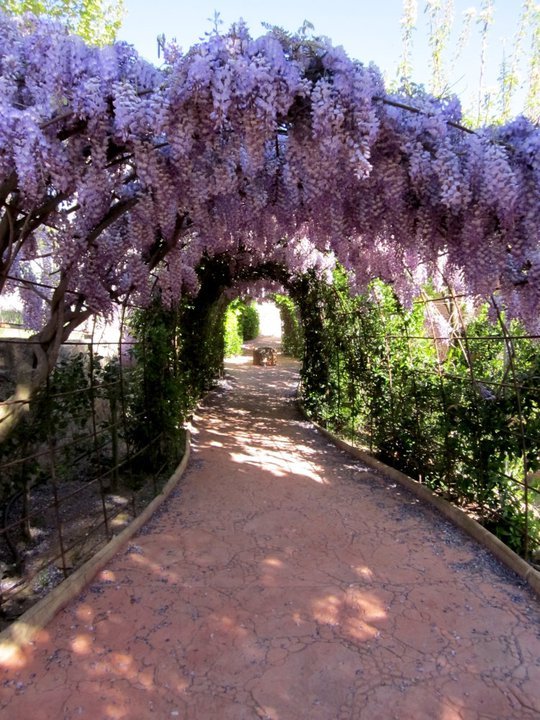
[
  {"x": 408, "y": 25},
  {"x": 447, "y": 37},
  {"x": 532, "y": 103},
  {"x": 96, "y": 21}
]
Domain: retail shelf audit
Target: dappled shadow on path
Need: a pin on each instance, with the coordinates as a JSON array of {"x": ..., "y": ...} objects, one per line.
[{"x": 284, "y": 580}]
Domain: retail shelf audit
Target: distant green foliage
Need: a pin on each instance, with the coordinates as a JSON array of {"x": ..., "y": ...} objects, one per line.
[
  {"x": 11, "y": 317},
  {"x": 96, "y": 21},
  {"x": 462, "y": 415},
  {"x": 232, "y": 329},
  {"x": 249, "y": 320},
  {"x": 292, "y": 337},
  {"x": 240, "y": 324},
  {"x": 448, "y": 36}
]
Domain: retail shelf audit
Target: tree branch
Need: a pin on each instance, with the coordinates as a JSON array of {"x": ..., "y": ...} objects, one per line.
[{"x": 417, "y": 111}]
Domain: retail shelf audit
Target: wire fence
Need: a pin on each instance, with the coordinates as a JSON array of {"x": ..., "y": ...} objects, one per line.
[{"x": 74, "y": 473}]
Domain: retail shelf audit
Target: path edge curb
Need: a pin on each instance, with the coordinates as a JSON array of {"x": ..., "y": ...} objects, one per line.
[
  {"x": 507, "y": 556},
  {"x": 23, "y": 630}
]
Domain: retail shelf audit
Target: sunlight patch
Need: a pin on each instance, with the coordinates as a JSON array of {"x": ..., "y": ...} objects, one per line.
[
  {"x": 273, "y": 562},
  {"x": 82, "y": 644}
]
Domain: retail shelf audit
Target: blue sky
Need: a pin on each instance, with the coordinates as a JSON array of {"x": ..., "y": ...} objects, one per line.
[{"x": 369, "y": 30}]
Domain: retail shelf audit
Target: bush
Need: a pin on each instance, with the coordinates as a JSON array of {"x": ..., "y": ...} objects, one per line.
[
  {"x": 249, "y": 320},
  {"x": 232, "y": 329},
  {"x": 240, "y": 323}
]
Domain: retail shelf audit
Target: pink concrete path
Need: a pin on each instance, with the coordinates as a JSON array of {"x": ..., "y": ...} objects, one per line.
[{"x": 285, "y": 581}]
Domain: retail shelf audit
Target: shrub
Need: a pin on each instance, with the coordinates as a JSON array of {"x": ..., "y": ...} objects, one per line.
[{"x": 249, "y": 320}]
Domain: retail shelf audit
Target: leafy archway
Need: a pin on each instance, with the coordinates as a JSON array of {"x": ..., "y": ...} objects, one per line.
[{"x": 117, "y": 178}]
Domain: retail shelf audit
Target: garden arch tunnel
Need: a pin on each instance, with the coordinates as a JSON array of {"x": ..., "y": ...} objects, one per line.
[{"x": 117, "y": 178}]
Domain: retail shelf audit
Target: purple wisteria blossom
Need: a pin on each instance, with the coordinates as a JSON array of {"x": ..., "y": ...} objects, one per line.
[{"x": 270, "y": 150}]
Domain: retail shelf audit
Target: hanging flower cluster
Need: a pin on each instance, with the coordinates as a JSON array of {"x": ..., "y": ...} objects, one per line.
[{"x": 270, "y": 150}]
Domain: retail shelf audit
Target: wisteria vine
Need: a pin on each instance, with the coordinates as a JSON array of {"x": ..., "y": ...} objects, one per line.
[{"x": 273, "y": 149}]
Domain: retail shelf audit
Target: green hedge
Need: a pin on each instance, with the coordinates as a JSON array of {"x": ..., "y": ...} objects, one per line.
[
  {"x": 241, "y": 323},
  {"x": 465, "y": 421}
]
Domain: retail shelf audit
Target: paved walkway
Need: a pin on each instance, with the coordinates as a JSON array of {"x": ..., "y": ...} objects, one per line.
[{"x": 285, "y": 581}]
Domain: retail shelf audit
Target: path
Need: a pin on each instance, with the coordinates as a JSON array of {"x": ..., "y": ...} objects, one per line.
[{"x": 284, "y": 581}]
